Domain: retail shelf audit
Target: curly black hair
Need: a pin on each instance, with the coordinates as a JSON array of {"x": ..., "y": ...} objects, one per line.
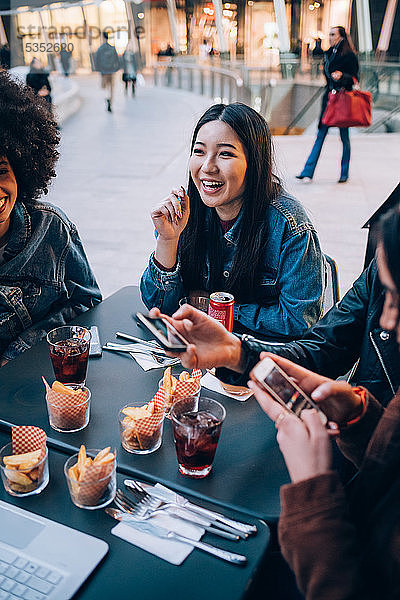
[{"x": 28, "y": 138}]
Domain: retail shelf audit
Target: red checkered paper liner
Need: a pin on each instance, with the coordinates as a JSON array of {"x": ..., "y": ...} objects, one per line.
[
  {"x": 27, "y": 438},
  {"x": 149, "y": 425},
  {"x": 183, "y": 389},
  {"x": 95, "y": 480},
  {"x": 67, "y": 411}
]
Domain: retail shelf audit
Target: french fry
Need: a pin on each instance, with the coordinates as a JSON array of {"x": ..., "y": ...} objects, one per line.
[
  {"x": 16, "y": 459},
  {"x": 17, "y": 477},
  {"x": 73, "y": 472},
  {"x": 184, "y": 376},
  {"x": 106, "y": 459},
  {"x": 81, "y": 457},
  {"x": 167, "y": 383},
  {"x": 101, "y": 454}
]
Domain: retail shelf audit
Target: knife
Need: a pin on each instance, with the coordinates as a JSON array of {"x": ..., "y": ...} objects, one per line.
[
  {"x": 166, "y": 494},
  {"x": 163, "y": 533},
  {"x": 183, "y": 514}
]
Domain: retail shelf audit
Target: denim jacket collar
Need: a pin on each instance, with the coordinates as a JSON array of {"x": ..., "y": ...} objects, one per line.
[
  {"x": 20, "y": 233},
  {"x": 232, "y": 235}
]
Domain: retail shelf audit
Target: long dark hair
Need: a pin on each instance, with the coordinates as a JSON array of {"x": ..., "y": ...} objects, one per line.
[
  {"x": 347, "y": 45},
  {"x": 202, "y": 235},
  {"x": 389, "y": 234}
]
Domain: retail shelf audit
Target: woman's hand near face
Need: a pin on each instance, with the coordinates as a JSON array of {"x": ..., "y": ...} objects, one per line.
[
  {"x": 171, "y": 216},
  {"x": 210, "y": 344}
]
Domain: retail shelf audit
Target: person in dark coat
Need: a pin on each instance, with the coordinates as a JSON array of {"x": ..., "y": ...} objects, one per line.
[
  {"x": 5, "y": 57},
  {"x": 107, "y": 63},
  {"x": 130, "y": 71},
  {"x": 340, "y": 69},
  {"x": 38, "y": 80}
]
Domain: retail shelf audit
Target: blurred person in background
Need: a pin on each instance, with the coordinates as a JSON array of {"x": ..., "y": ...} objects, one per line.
[
  {"x": 45, "y": 277},
  {"x": 5, "y": 57},
  {"x": 107, "y": 63},
  {"x": 129, "y": 74},
  {"x": 237, "y": 230},
  {"x": 38, "y": 80},
  {"x": 340, "y": 70}
]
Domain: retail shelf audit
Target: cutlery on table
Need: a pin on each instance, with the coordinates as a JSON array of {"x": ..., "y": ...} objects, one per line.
[
  {"x": 134, "y": 348},
  {"x": 135, "y": 485},
  {"x": 169, "y": 495},
  {"x": 162, "y": 360},
  {"x": 163, "y": 533},
  {"x": 132, "y": 338},
  {"x": 146, "y": 506}
]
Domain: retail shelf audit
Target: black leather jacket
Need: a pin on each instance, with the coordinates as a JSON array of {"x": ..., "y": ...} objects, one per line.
[{"x": 348, "y": 333}]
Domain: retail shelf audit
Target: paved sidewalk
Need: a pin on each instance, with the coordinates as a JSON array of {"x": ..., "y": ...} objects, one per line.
[{"x": 115, "y": 167}]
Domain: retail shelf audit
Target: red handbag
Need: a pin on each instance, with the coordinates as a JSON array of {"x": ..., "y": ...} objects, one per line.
[{"x": 348, "y": 109}]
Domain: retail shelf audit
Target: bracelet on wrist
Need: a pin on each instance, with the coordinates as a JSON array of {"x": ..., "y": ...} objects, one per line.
[{"x": 362, "y": 394}]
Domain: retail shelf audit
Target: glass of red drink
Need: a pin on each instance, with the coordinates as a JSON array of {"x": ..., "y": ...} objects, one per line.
[
  {"x": 197, "y": 426},
  {"x": 69, "y": 353}
]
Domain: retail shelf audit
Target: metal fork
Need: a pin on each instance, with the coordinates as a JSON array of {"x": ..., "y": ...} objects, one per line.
[
  {"x": 145, "y": 509},
  {"x": 161, "y": 360}
]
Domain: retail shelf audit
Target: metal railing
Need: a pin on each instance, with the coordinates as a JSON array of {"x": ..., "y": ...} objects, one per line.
[{"x": 215, "y": 82}]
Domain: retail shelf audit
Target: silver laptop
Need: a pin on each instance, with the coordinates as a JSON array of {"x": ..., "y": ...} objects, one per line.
[{"x": 41, "y": 559}]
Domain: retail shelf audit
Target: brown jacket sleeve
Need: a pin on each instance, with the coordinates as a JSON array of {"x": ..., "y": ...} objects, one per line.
[
  {"x": 318, "y": 539},
  {"x": 354, "y": 440}
]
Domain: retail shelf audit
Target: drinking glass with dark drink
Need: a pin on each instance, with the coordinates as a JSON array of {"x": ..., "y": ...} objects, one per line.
[
  {"x": 69, "y": 353},
  {"x": 197, "y": 426}
]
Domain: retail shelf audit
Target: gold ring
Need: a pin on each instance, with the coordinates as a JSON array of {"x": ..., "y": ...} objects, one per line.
[{"x": 280, "y": 418}]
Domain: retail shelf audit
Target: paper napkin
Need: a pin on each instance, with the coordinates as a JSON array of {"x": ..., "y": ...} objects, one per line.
[
  {"x": 172, "y": 551},
  {"x": 145, "y": 361},
  {"x": 211, "y": 382}
]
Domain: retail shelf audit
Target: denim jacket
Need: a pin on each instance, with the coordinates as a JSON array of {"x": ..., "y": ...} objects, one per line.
[
  {"x": 291, "y": 281},
  {"x": 45, "y": 279}
]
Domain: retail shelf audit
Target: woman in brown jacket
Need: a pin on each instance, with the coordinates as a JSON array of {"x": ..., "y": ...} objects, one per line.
[{"x": 344, "y": 543}]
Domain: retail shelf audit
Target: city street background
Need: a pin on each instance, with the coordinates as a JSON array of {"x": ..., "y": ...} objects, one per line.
[{"x": 115, "y": 167}]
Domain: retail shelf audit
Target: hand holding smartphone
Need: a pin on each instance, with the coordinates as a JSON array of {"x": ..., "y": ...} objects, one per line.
[
  {"x": 283, "y": 389},
  {"x": 165, "y": 333}
]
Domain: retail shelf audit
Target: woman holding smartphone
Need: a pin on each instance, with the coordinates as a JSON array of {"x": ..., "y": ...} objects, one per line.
[
  {"x": 236, "y": 230},
  {"x": 344, "y": 543}
]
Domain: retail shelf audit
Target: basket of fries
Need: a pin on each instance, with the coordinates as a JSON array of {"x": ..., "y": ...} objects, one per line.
[
  {"x": 23, "y": 462},
  {"x": 175, "y": 389},
  {"x": 141, "y": 426},
  {"x": 68, "y": 406},
  {"x": 91, "y": 481}
]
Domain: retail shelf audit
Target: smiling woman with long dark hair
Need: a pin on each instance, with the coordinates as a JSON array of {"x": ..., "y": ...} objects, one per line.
[{"x": 236, "y": 230}]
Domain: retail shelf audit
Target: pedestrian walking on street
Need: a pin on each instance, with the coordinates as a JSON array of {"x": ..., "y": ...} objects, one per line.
[
  {"x": 341, "y": 71},
  {"x": 129, "y": 66},
  {"x": 107, "y": 63},
  {"x": 38, "y": 80}
]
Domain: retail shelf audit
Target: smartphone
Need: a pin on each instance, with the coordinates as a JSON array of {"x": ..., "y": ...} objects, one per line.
[
  {"x": 282, "y": 388},
  {"x": 166, "y": 334},
  {"x": 95, "y": 346}
]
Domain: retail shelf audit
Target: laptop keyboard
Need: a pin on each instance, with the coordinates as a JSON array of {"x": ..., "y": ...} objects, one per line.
[{"x": 23, "y": 578}]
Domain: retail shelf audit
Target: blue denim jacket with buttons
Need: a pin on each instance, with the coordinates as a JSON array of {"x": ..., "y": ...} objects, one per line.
[
  {"x": 291, "y": 284},
  {"x": 45, "y": 279}
]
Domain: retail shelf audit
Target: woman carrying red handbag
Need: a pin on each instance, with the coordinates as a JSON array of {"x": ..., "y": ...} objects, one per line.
[{"x": 340, "y": 69}]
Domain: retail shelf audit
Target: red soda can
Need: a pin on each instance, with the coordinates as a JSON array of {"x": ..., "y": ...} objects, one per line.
[{"x": 221, "y": 307}]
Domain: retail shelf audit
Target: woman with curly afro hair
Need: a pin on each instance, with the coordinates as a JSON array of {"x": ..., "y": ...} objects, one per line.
[{"x": 45, "y": 277}]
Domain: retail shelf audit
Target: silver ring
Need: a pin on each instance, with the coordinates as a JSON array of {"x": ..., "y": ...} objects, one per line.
[{"x": 280, "y": 418}]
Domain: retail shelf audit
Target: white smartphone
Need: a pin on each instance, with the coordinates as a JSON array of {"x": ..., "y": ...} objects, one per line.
[
  {"x": 166, "y": 334},
  {"x": 282, "y": 388}
]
